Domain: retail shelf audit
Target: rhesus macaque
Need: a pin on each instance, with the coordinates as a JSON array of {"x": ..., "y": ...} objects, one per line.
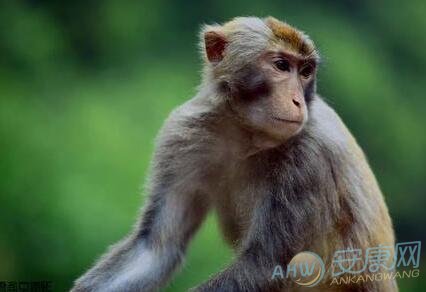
[{"x": 258, "y": 146}]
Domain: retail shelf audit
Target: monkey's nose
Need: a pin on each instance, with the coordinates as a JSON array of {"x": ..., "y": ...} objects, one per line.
[{"x": 296, "y": 103}]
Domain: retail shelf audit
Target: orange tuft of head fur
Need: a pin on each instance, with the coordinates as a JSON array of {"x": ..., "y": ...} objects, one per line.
[{"x": 296, "y": 39}]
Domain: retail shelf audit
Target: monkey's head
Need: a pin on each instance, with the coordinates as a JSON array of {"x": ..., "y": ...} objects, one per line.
[{"x": 265, "y": 71}]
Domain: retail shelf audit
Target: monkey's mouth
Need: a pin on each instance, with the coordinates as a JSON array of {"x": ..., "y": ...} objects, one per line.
[{"x": 287, "y": 120}]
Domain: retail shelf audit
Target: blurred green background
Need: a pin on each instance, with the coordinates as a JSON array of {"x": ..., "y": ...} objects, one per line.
[{"x": 85, "y": 86}]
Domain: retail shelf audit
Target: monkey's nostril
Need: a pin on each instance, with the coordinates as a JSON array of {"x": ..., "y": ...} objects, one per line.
[{"x": 296, "y": 103}]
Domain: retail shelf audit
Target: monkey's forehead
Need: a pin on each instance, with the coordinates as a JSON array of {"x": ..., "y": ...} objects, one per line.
[
  {"x": 278, "y": 33},
  {"x": 295, "y": 38}
]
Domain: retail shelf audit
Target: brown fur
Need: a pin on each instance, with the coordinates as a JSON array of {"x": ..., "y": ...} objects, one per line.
[{"x": 296, "y": 40}]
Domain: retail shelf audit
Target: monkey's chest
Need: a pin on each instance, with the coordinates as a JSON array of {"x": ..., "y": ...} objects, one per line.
[{"x": 234, "y": 196}]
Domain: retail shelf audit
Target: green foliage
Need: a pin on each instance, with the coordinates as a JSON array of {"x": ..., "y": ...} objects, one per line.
[{"x": 84, "y": 88}]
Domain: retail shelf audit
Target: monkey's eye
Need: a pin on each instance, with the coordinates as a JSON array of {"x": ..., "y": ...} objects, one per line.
[
  {"x": 307, "y": 70},
  {"x": 282, "y": 65}
]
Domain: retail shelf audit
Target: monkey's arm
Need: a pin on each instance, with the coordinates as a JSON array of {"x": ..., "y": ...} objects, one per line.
[{"x": 145, "y": 260}]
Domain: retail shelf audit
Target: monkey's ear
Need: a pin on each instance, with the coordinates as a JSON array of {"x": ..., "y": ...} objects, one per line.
[{"x": 214, "y": 43}]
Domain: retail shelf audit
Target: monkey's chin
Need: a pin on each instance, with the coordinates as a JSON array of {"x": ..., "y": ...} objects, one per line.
[
  {"x": 272, "y": 138},
  {"x": 285, "y": 130}
]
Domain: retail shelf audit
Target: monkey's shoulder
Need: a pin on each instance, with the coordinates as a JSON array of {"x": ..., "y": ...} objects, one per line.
[
  {"x": 187, "y": 129},
  {"x": 195, "y": 113},
  {"x": 327, "y": 129}
]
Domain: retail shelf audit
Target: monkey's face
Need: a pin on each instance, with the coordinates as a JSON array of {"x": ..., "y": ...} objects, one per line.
[
  {"x": 266, "y": 71},
  {"x": 271, "y": 93}
]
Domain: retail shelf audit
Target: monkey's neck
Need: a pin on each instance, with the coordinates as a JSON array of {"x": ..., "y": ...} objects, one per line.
[
  {"x": 262, "y": 141},
  {"x": 244, "y": 141}
]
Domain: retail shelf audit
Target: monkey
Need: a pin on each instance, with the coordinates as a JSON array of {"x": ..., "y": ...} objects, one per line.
[{"x": 261, "y": 148}]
